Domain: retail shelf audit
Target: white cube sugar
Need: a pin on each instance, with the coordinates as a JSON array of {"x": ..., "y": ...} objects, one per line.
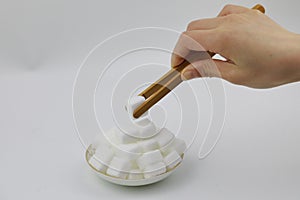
[
  {"x": 96, "y": 164},
  {"x": 147, "y": 130},
  {"x": 155, "y": 170},
  {"x": 104, "y": 154},
  {"x": 116, "y": 173},
  {"x": 116, "y": 136},
  {"x": 120, "y": 164},
  {"x": 134, "y": 164},
  {"x": 131, "y": 130},
  {"x": 133, "y": 103},
  {"x": 177, "y": 145},
  {"x": 164, "y": 137},
  {"x": 148, "y": 144},
  {"x": 172, "y": 160},
  {"x": 135, "y": 174},
  {"x": 119, "y": 167},
  {"x": 129, "y": 151},
  {"x": 149, "y": 158}
]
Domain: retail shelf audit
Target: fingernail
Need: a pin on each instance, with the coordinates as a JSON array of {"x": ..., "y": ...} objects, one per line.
[
  {"x": 188, "y": 74},
  {"x": 175, "y": 60}
]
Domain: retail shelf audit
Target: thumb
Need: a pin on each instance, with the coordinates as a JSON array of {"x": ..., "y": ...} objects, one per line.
[{"x": 212, "y": 68}]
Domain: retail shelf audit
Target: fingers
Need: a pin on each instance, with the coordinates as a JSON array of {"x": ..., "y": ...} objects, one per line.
[
  {"x": 211, "y": 23},
  {"x": 204, "y": 24},
  {"x": 232, "y": 9},
  {"x": 202, "y": 36},
  {"x": 213, "y": 68},
  {"x": 182, "y": 48},
  {"x": 205, "y": 35},
  {"x": 198, "y": 40}
]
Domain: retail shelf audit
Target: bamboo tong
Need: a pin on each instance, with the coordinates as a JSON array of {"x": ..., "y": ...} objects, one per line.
[{"x": 171, "y": 79}]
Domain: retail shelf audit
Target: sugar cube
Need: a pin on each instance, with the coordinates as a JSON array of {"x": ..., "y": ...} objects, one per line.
[
  {"x": 129, "y": 151},
  {"x": 104, "y": 154},
  {"x": 133, "y": 103},
  {"x": 154, "y": 170},
  {"x": 147, "y": 130},
  {"x": 149, "y": 158},
  {"x": 116, "y": 136},
  {"x": 178, "y": 145},
  {"x": 120, "y": 164},
  {"x": 148, "y": 144},
  {"x": 164, "y": 137},
  {"x": 172, "y": 160},
  {"x": 116, "y": 173},
  {"x": 119, "y": 167},
  {"x": 135, "y": 174}
]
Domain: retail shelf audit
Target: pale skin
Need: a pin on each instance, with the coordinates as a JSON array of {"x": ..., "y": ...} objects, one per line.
[{"x": 259, "y": 53}]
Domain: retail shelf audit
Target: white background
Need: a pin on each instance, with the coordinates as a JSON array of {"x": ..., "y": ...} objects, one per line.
[{"x": 42, "y": 44}]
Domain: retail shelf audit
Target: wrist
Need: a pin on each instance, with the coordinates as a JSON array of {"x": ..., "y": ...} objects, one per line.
[{"x": 292, "y": 60}]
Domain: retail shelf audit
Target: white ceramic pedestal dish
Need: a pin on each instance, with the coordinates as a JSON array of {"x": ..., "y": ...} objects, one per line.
[{"x": 126, "y": 182}]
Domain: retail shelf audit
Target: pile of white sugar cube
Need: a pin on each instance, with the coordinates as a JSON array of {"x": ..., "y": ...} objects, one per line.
[{"x": 143, "y": 153}]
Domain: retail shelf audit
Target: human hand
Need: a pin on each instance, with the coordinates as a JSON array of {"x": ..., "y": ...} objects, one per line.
[{"x": 259, "y": 53}]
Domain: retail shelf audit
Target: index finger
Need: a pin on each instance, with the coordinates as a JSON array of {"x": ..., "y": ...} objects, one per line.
[
  {"x": 232, "y": 9},
  {"x": 195, "y": 40}
]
